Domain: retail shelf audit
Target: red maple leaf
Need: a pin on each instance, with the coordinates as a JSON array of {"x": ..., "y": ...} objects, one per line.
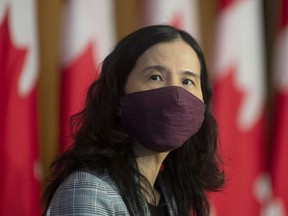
[
  {"x": 225, "y": 3},
  {"x": 18, "y": 133},
  {"x": 76, "y": 79},
  {"x": 242, "y": 151},
  {"x": 177, "y": 20},
  {"x": 284, "y": 13}
]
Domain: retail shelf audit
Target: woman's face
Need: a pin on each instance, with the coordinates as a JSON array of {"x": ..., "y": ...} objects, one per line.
[{"x": 166, "y": 64}]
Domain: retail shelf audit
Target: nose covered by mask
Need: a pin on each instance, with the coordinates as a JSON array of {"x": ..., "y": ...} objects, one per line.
[{"x": 162, "y": 119}]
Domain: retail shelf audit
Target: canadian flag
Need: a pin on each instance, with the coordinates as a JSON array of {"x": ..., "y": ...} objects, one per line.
[
  {"x": 20, "y": 189},
  {"x": 88, "y": 34},
  {"x": 280, "y": 72},
  {"x": 181, "y": 14},
  {"x": 239, "y": 78}
]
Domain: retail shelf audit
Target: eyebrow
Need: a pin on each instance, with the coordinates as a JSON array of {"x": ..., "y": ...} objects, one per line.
[
  {"x": 190, "y": 73},
  {"x": 163, "y": 69}
]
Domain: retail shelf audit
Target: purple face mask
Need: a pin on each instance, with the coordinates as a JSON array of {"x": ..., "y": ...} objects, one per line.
[{"x": 162, "y": 119}]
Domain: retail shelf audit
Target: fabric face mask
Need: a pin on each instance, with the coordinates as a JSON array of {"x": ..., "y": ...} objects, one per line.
[{"x": 162, "y": 119}]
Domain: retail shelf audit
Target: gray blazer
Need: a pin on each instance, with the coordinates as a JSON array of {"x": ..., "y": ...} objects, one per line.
[{"x": 87, "y": 194}]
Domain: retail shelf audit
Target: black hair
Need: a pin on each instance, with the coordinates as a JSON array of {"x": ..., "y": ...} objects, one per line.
[{"x": 100, "y": 143}]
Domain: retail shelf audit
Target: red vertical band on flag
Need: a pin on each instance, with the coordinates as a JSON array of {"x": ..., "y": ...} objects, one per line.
[
  {"x": 76, "y": 79},
  {"x": 239, "y": 106},
  {"x": 20, "y": 190},
  {"x": 280, "y": 139},
  {"x": 87, "y": 37}
]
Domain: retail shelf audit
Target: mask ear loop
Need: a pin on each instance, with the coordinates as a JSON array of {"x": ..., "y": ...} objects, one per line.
[
  {"x": 119, "y": 108},
  {"x": 119, "y": 111}
]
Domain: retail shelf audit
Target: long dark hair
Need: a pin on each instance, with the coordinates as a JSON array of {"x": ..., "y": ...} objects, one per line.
[{"x": 100, "y": 144}]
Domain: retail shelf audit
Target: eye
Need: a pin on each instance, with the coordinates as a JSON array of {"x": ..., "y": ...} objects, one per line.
[
  {"x": 188, "y": 82},
  {"x": 156, "y": 78}
]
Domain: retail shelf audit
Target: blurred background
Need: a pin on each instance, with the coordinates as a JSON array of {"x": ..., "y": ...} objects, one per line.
[{"x": 50, "y": 52}]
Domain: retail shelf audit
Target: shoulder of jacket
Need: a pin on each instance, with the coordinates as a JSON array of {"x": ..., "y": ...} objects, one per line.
[
  {"x": 87, "y": 192},
  {"x": 86, "y": 179}
]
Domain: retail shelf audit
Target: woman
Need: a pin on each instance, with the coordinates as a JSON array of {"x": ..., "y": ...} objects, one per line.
[{"x": 146, "y": 140}]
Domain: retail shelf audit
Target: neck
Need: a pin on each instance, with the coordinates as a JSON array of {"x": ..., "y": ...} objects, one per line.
[{"x": 149, "y": 164}]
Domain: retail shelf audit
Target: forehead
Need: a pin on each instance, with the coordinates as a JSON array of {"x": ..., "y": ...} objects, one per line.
[{"x": 176, "y": 52}]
